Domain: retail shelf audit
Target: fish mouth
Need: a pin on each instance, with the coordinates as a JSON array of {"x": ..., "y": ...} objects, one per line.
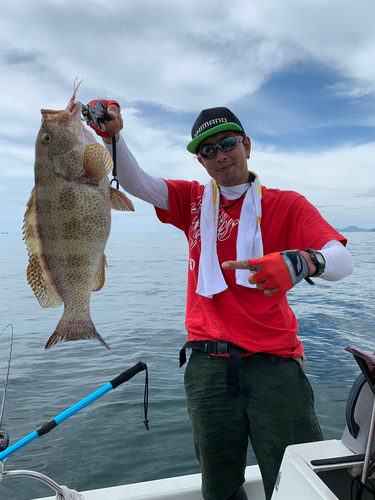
[
  {"x": 64, "y": 115},
  {"x": 55, "y": 116},
  {"x": 49, "y": 111},
  {"x": 72, "y": 112},
  {"x": 70, "y": 116}
]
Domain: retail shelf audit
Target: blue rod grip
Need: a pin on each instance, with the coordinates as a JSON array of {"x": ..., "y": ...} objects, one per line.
[
  {"x": 123, "y": 377},
  {"x": 84, "y": 402},
  {"x": 60, "y": 418}
]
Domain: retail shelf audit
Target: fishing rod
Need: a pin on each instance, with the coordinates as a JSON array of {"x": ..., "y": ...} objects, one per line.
[
  {"x": 4, "y": 436},
  {"x": 48, "y": 426}
]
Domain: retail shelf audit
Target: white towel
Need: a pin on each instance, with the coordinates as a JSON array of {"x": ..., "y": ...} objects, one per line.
[
  {"x": 68, "y": 494},
  {"x": 249, "y": 238}
]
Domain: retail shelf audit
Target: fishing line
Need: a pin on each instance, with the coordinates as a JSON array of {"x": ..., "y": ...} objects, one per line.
[
  {"x": 4, "y": 437},
  {"x": 114, "y": 171}
]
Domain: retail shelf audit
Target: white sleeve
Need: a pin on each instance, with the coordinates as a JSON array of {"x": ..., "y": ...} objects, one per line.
[
  {"x": 135, "y": 181},
  {"x": 339, "y": 262}
]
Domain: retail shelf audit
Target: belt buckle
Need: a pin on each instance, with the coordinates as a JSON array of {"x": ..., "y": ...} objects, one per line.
[{"x": 222, "y": 347}]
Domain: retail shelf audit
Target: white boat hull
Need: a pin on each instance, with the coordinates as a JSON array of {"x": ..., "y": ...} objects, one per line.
[
  {"x": 298, "y": 478},
  {"x": 181, "y": 488}
]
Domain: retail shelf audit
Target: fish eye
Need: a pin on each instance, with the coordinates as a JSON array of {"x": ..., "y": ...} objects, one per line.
[{"x": 46, "y": 138}]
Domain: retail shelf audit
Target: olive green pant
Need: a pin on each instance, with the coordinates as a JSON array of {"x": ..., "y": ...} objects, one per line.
[{"x": 274, "y": 408}]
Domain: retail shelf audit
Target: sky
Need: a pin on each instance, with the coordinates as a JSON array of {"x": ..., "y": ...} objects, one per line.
[{"x": 299, "y": 74}]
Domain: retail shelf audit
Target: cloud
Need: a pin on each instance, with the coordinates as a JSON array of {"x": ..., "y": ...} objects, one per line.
[
  {"x": 336, "y": 33},
  {"x": 341, "y": 170},
  {"x": 187, "y": 55},
  {"x": 344, "y": 90},
  {"x": 369, "y": 194},
  {"x": 164, "y": 61},
  {"x": 19, "y": 157},
  {"x": 342, "y": 176}
]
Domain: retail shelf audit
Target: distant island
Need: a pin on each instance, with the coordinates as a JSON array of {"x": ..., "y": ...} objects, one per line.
[{"x": 355, "y": 229}]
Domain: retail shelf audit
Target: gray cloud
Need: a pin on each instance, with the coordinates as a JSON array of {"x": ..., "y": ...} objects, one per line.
[
  {"x": 14, "y": 57},
  {"x": 368, "y": 194}
]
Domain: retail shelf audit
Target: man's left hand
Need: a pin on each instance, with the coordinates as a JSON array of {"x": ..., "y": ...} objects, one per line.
[{"x": 275, "y": 273}]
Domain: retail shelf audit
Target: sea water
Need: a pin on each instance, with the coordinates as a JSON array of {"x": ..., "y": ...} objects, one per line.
[{"x": 140, "y": 314}]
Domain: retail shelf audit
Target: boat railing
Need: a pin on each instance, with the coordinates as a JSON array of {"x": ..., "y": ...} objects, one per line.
[{"x": 30, "y": 474}]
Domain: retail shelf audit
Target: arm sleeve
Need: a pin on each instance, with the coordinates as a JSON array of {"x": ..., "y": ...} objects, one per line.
[
  {"x": 339, "y": 262},
  {"x": 135, "y": 181}
]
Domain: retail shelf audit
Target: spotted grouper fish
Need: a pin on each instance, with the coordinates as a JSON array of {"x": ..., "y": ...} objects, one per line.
[{"x": 68, "y": 220}]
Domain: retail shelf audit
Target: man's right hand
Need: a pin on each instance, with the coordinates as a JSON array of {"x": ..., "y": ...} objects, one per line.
[{"x": 114, "y": 125}]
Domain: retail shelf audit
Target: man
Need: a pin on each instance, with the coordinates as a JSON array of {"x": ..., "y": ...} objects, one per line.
[{"x": 248, "y": 245}]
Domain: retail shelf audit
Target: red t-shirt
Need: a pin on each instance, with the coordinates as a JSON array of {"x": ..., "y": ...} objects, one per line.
[{"x": 245, "y": 316}]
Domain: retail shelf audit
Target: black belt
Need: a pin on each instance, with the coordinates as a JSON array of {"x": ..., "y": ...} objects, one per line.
[{"x": 219, "y": 347}]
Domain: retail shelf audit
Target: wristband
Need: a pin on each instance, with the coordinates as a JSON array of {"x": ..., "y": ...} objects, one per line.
[{"x": 318, "y": 261}]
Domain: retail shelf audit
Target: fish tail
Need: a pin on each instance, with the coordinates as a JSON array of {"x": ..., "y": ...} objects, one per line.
[{"x": 74, "y": 329}]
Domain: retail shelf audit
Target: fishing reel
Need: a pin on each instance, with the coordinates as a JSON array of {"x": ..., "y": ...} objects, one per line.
[{"x": 4, "y": 440}]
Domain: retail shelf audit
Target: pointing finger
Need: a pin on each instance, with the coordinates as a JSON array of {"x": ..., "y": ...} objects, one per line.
[{"x": 236, "y": 264}]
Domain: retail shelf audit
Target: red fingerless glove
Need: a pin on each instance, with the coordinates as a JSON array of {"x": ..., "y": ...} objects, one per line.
[
  {"x": 272, "y": 272},
  {"x": 279, "y": 272},
  {"x": 107, "y": 103}
]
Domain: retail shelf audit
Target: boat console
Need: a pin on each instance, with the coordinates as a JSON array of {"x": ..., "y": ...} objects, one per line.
[{"x": 337, "y": 470}]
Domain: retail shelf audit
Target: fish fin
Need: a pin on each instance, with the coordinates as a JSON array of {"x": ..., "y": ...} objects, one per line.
[
  {"x": 119, "y": 201},
  {"x": 38, "y": 275},
  {"x": 99, "y": 280},
  {"x": 97, "y": 162},
  {"x": 74, "y": 329}
]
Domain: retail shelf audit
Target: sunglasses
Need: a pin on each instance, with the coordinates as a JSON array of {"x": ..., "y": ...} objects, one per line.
[{"x": 224, "y": 145}]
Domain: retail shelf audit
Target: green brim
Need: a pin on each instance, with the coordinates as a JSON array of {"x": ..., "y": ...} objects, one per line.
[{"x": 192, "y": 146}]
